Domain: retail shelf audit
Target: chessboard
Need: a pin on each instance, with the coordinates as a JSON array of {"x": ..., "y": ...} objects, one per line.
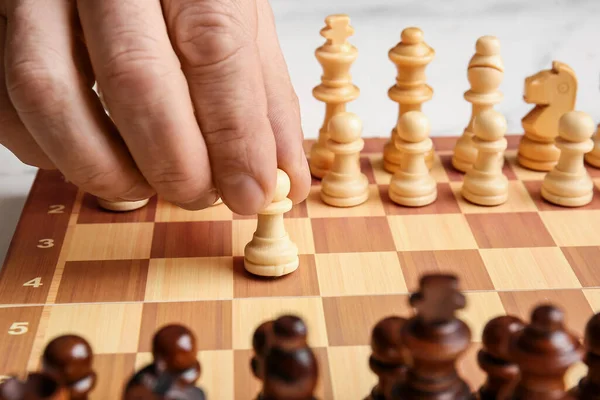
[{"x": 116, "y": 278}]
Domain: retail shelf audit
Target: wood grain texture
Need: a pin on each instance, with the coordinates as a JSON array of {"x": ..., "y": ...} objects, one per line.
[
  {"x": 189, "y": 278},
  {"x": 464, "y": 263},
  {"x": 18, "y": 327},
  {"x": 509, "y": 230},
  {"x": 38, "y": 240},
  {"x": 584, "y": 261},
  {"x": 112, "y": 368},
  {"x": 103, "y": 281},
  {"x": 574, "y": 304},
  {"x": 303, "y": 282},
  {"x": 192, "y": 239},
  {"x": 343, "y": 274},
  {"x": 350, "y": 319},
  {"x": 347, "y": 235}
]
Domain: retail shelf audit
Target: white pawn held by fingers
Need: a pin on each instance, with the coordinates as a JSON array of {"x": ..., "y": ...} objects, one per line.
[
  {"x": 271, "y": 252},
  {"x": 412, "y": 185},
  {"x": 345, "y": 185},
  {"x": 484, "y": 182},
  {"x": 569, "y": 183},
  {"x": 122, "y": 206}
]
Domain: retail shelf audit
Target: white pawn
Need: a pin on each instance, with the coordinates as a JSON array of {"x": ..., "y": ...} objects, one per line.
[
  {"x": 484, "y": 182},
  {"x": 345, "y": 185},
  {"x": 569, "y": 183},
  {"x": 271, "y": 252},
  {"x": 122, "y": 206},
  {"x": 412, "y": 185}
]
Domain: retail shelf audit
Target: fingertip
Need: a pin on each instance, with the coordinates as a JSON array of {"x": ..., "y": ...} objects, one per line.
[
  {"x": 243, "y": 194},
  {"x": 301, "y": 181}
]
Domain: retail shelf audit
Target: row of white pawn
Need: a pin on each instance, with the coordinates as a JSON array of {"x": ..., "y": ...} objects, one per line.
[{"x": 568, "y": 184}]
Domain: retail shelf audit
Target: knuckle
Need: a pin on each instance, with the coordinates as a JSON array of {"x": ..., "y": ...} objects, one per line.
[
  {"x": 208, "y": 33},
  {"x": 132, "y": 71},
  {"x": 95, "y": 179},
  {"x": 36, "y": 87}
]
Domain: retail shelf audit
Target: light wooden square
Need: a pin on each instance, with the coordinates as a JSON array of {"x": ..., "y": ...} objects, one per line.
[
  {"x": 481, "y": 307},
  {"x": 519, "y": 200},
  {"x": 573, "y": 227},
  {"x": 249, "y": 313},
  {"x": 318, "y": 209},
  {"x": 382, "y": 177},
  {"x": 124, "y": 241},
  {"x": 431, "y": 232},
  {"x": 350, "y": 379},
  {"x": 109, "y": 328},
  {"x": 299, "y": 230},
  {"x": 529, "y": 268},
  {"x": 185, "y": 279},
  {"x": 359, "y": 274},
  {"x": 168, "y": 212},
  {"x": 522, "y": 173},
  {"x": 216, "y": 378},
  {"x": 593, "y": 297}
]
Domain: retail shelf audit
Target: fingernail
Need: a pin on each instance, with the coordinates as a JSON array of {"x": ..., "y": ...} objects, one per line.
[
  {"x": 201, "y": 203},
  {"x": 242, "y": 193}
]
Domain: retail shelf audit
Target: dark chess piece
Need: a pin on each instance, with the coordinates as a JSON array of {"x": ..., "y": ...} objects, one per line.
[
  {"x": 388, "y": 357},
  {"x": 589, "y": 387},
  {"x": 69, "y": 359},
  {"x": 37, "y": 386},
  {"x": 290, "y": 367},
  {"x": 493, "y": 358},
  {"x": 174, "y": 371},
  {"x": 544, "y": 351},
  {"x": 435, "y": 339},
  {"x": 260, "y": 345}
]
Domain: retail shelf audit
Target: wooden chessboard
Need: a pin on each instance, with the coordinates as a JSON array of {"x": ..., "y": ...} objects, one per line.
[{"x": 116, "y": 278}]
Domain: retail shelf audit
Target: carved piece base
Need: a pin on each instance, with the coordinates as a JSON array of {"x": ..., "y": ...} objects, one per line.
[
  {"x": 320, "y": 161},
  {"x": 537, "y": 156},
  {"x": 122, "y": 206},
  {"x": 561, "y": 189},
  {"x": 593, "y": 159},
  {"x": 465, "y": 153}
]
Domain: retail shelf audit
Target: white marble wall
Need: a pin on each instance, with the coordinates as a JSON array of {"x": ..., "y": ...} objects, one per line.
[{"x": 532, "y": 34}]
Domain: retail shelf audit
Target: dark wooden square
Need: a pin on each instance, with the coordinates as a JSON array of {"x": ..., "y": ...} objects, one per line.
[
  {"x": 192, "y": 239},
  {"x": 103, "y": 281},
  {"x": 503, "y": 230},
  {"x": 356, "y": 234},
  {"x": 302, "y": 282},
  {"x": 210, "y": 321}
]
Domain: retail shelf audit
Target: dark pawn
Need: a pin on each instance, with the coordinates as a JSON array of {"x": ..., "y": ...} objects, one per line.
[
  {"x": 38, "y": 386},
  {"x": 260, "y": 345},
  {"x": 69, "y": 358},
  {"x": 290, "y": 367},
  {"x": 175, "y": 352},
  {"x": 388, "y": 357},
  {"x": 435, "y": 339},
  {"x": 544, "y": 351},
  {"x": 174, "y": 371},
  {"x": 493, "y": 358},
  {"x": 589, "y": 387}
]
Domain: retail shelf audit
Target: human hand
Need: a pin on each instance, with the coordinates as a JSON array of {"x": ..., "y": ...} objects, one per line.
[{"x": 199, "y": 97}]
